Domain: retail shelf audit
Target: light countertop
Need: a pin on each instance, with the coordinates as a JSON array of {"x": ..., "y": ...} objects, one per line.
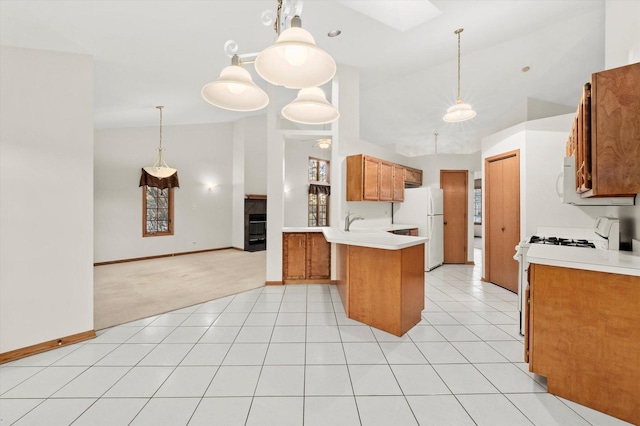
[
  {"x": 373, "y": 239},
  {"x": 611, "y": 261}
]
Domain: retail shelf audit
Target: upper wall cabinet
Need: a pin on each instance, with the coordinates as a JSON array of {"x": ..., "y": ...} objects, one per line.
[
  {"x": 412, "y": 177},
  {"x": 372, "y": 179},
  {"x": 606, "y": 134}
]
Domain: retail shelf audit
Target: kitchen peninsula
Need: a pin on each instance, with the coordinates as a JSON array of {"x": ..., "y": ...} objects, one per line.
[{"x": 380, "y": 277}]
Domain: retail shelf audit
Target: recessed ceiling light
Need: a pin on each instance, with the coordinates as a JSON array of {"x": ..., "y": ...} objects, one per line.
[
  {"x": 525, "y": 69},
  {"x": 334, "y": 33}
]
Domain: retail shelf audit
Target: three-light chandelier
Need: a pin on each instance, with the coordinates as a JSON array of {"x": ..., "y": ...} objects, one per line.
[{"x": 294, "y": 61}]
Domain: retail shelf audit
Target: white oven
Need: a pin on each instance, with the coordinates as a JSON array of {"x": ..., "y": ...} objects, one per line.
[{"x": 605, "y": 235}]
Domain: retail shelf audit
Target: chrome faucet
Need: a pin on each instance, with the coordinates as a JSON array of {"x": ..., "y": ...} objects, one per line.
[{"x": 349, "y": 220}]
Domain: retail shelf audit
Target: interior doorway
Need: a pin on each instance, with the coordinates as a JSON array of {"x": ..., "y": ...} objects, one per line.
[
  {"x": 454, "y": 184},
  {"x": 502, "y": 218}
]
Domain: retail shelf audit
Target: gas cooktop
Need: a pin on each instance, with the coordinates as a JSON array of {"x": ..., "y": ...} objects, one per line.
[{"x": 556, "y": 241}]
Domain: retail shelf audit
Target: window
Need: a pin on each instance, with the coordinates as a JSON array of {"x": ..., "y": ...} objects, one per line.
[
  {"x": 319, "y": 190},
  {"x": 157, "y": 211},
  {"x": 477, "y": 202}
]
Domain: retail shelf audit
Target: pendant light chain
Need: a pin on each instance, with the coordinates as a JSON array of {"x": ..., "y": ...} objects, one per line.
[
  {"x": 160, "y": 162},
  {"x": 458, "y": 31}
]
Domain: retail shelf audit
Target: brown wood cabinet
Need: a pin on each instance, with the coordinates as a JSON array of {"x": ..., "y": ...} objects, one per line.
[
  {"x": 582, "y": 333},
  {"x": 412, "y": 177},
  {"x": 398, "y": 182},
  {"x": 606, "y": 134},
  {"x": 373, "y": 179},
  {"x": 382, "y": 288},
  {"x": 306, "y": 256}
]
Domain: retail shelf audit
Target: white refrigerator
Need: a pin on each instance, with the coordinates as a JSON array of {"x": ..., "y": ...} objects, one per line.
[{"x": 423, "y": 207}]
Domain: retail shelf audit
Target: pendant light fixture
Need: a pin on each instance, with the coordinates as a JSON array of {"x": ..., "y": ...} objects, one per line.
[
  {"x": 294, "y": 62},
  {"x": 234, "y": 90},
  {"x": 160, "y": 169},
  {"x": 460, "y": 111},
  {"x": 436, "y": 141},
  {"x": 324, "y": 143},
  {"x": 310, "y": 107}
]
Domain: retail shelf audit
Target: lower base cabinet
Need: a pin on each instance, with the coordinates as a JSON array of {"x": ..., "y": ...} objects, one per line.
[
  {"x": 306, "y": 257},
  {"x": 582, "y": 334}
]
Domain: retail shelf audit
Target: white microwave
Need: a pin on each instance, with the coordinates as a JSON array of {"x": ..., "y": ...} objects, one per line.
[{"x": 570, "y": 196}]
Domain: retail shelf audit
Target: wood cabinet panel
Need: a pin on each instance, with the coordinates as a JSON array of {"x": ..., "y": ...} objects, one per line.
[
  {"x": 606, "y": 134},
  {"x": 318, "y": 256},
  {"x": 583, "y": 336},
  {"x": 382, "y": 288},
  {"x": 412, "y": 178},
  {"x": 615, "y": 133},
  {"x": 294, "y": 256},
  {"x": 373, "y": 179},
  {"x": 386, "y": 181},
  {"x": 306, "y": 256},
  {"x": 398, "y": 182}
]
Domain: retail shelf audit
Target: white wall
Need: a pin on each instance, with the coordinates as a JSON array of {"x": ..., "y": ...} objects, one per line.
[
  {"x": 255, "y": 154},
  {"x": 622, "y": 33},
  {"x": 202, "y": 154},
  {"x": 46, "y": 194}
]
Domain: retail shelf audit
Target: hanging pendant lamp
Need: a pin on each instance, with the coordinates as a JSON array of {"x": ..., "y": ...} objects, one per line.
[
  {"x": 295, "y": 61},
  {"x": 310, "y": 107},
  {"x": 234, "y": 90},
  {"x": 160, "y": 169},
  {"x": 460, "y": 111}
]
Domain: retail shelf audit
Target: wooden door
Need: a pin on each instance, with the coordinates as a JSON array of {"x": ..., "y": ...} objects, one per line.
[
  {"x": 502, "y": 219},
  {"x": 371, "y": 177},
  {"x": 454, "y": 184},
  {"x": 386, "y": 181},
  {"x": 294, "y": 260},
  {"x": 318, "y": 256}
]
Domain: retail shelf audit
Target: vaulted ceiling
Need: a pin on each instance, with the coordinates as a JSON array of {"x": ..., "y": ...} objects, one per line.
[{"x": 149, "y": 53}]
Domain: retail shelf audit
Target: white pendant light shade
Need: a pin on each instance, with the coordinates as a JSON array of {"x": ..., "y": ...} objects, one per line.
[
  {"x": 459, "y": 112},
  {"x": 310, "y": 107},
  {"x": 160, "y": 172},
  {"x": 234, "y": 90},
  {"x": 295, "y": 61}
]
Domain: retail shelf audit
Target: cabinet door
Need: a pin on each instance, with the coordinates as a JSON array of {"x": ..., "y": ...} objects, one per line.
[
  {"x": 294, "y": 256},
  {"x": 386, "y": 181},
  {"x": 412, "y": 178},
  {"x": 318, "y": 256},
  {"x": 398, "y": 182},
  {"x": 615, "y": 121},
  {"x": 371, "y": 178}
]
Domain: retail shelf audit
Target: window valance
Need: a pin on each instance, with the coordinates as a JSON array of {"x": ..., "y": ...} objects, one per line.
[{"x": 319, "y": 189}]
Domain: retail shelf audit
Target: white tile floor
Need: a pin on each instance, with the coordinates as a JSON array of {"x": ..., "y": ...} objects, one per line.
[{"x": 288, "y": 356}]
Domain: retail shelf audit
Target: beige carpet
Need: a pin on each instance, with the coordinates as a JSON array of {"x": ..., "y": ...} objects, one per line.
[{"x": 129, "y": 291}]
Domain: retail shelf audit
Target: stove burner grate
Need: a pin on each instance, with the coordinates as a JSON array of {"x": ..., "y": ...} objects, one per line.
[{"x": 556, "y": 241}]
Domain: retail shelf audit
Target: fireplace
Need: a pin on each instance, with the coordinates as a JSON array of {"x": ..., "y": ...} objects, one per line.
[{"x": 255, "y": 223}]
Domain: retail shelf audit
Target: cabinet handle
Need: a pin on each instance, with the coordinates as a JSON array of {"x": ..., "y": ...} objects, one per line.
[
  {"x": 502, "y": 229},
  {"x": 445, "y": 222},
  {"x": 299, "y": 243}
]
